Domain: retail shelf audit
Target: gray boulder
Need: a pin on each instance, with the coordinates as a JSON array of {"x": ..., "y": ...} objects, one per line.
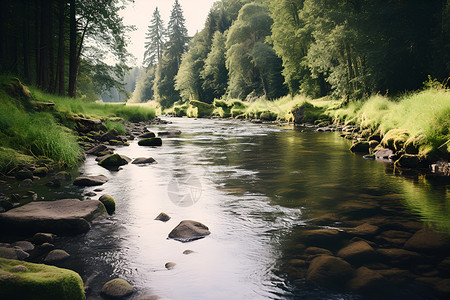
[
  {"x": 65, "y": 217},
  {"x": 90, "y": 180},
  {"x": 189, "y": 230},
  {"x": 56, "y": 256}
]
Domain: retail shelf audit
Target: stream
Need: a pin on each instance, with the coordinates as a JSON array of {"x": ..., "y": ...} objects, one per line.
[{"x": 255, "y": 186}]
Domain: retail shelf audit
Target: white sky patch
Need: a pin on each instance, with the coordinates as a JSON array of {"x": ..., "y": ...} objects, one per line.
[{"x": 140, "y": 13}]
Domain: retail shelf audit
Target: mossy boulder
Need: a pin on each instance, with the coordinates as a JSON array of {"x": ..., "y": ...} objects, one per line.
[
  {"x": 109, "y": 203},
  {"x": 415, "y": 143},
  {"x": 23, "y": 280},
  {"x": 117, "y": 289},
  {"x": 147, "y": 135},
  {"x": 203, "y": 109},
  {"x": 40, "y": 172},
  {"x": 114, "y": 160},
  {"x": 150, "y": 142},
  {"x": 307, "y": 112},
  {"x": 24, "y": 174}
]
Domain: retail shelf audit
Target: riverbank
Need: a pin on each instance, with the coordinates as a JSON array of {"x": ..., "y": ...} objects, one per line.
[{"x": 412, "y": 130}]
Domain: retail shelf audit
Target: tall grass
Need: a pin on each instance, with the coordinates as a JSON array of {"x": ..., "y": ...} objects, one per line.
[{"x": 423, "y": 113}]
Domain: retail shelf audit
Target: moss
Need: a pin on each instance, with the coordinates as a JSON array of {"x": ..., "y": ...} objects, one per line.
[
  {"x": 38, "y": 282},
  {"x": 40, "y": 172},
  {"x": 10, "y": 159},
  {"x": 268, "y": 115},
  {"x": 109, "y": 203},
  {"x": 203, "y": 109},
  {"x": 150, "y": 142}
]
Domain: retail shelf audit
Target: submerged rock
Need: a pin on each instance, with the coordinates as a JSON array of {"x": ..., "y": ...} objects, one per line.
[
  {"x": 41, "y": 238},
  {"x": 169, "y": 133},
  {"x": 147, "y": 135},
  {"x": 357, "y": 252},
  {"x": 56, "y": 256},
  {"x": 384, "y": 153},
  {"x": 68, "y": 216},
  {"x": 117, "y": 289},
  {"x": 366, "y": 280},
  {"x": 329, "y": 271},
  {"x": 408, "y": 161},
  {"x": 23, "y": 280},
  {"x": 24, "y": 245},
  {"x": 361, "y": 147},
  {"x": 90, "y": 180},
  {"x": 189, "y": 230},
  {"x": 428, "y": 240}
]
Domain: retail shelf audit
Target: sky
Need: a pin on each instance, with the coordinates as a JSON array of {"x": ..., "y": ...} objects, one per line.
[{"x": 140, "y": 13}]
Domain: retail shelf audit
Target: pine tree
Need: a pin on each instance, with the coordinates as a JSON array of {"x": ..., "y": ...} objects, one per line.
[
  {"x": 178, "y": 34},
  {"x": 155, "y": 36}
]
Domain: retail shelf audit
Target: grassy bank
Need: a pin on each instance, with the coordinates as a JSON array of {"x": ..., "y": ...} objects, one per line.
[
  {"x": 30, "y": 132},
  {"x": 421, "y": 119}
]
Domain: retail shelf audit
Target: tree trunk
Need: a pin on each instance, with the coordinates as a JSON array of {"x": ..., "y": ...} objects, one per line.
[
  {"x": 26, "y": 42},
  {"x": 60, "y": 60},
  {"x": 73, "y": 51},
  {"x": 37, "y": 40},
  {"x": 45, "y": 47},
  {"x": 51, "y": 56}
]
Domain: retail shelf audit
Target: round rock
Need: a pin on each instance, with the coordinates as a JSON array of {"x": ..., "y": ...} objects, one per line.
[{"x": 117, "y": 289}]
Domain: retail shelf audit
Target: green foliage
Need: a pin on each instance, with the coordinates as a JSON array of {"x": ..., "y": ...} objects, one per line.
[
  {"x": 144, "y": 86},
  {"x": 253, "y": 65},
  {"x": 203, "y": 109}
]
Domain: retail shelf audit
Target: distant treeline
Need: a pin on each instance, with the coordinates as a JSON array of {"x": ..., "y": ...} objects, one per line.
[
  {"x": 343, "y": 48},
  {"x": 60, "y": 45}
]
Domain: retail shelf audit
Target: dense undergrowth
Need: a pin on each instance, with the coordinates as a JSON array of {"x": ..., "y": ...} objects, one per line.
[{"x": 29, "y": 133}]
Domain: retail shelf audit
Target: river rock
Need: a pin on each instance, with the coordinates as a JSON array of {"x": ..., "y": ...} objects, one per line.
[
  {"x": 383, "y": 153},
  {"x": 329, "y": 271},
  {"x": 147, "y": 135},
  {"x": 317, "y": 251},
  {"x": 364, "y": 230},
  {"x": 143, "y": 160},
  {"x": 360, "y": 147},
  {"x": 169, "y": 133},
  {"x": 366, "y": 280},
  {"x": 407, "y": 161},
  {"x": 109, "y": 203},
  {"x": 97, "y": 149},
  {"x": 187, "y": 252},
  {"x": 396, "y": 275},
  {"x": 150, "y": 142},
  {"x": 24, "y": 174},
  {"x": 444, "y": 267},
  {"x": 442, "y": 288},
  {"x": 428, "y": 240},
  {"x": 66, "y": 217},
  {"x": 114, "y": 160},
  {"x": 357, "y": 252},
  {"x": 189, "y": 230},
  {"x": 24, "y": 245},
  {"x": 117, "y": 289},
  {"x": 41, "y": 238},
  {"x": 56, "y": 256},
  {"x": 163, "y": 217},
  {"x": 40, "y": 172},
  {"x": 170, "y": 265},
  {"x": 23, "y": 280},
  {"x": 90, "y": 180},
  {"x": 63, "y": 176},
  {"x": 399, "y": 256},
  {"x": 8, "y": 252},
  {"x": 319, "y": 237},
  {"x": 110, "y": 135}
]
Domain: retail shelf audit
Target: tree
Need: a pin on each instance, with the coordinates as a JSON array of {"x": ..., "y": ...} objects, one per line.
[
  {"x": 156, "y": 38},
  {"x": 215, "y": 73},
  {"x": 252, "y": 64},
  {"x": 164, "y": 85}
]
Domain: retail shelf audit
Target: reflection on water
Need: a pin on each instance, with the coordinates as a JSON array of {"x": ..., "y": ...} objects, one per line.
[{"x": 259, "y": 184}]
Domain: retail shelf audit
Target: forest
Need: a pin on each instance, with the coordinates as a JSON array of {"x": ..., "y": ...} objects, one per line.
[{"x": 246, "y": 50}]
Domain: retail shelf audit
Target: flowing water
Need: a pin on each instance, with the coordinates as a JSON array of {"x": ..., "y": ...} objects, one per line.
[{"x": 254, "y": 186}]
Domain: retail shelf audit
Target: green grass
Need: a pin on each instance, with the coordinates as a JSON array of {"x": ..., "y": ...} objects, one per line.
[
  {"x": 424, "y": 113},
  {"x": 26, "y": 134}
]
